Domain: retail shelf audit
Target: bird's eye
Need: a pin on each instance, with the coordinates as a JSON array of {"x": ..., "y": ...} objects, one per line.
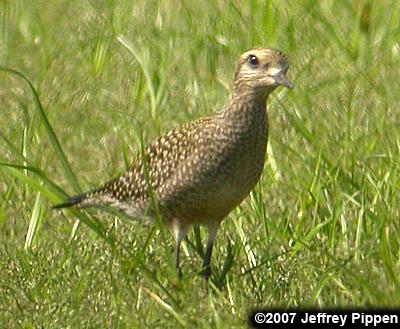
[{"x": 253, "y": 60}]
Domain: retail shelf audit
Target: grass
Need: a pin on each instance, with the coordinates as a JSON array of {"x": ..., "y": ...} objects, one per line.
[{"x": 92, "y": 79}]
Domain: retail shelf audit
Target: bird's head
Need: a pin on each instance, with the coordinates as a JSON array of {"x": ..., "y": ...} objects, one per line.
[{"x": 261, "y": 70}]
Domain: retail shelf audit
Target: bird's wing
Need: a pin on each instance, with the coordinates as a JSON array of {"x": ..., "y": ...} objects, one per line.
[{"x": 149, "y": 171}]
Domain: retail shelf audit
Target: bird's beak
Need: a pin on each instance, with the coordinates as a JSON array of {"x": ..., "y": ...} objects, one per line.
[{"x": 280, "y": 79}]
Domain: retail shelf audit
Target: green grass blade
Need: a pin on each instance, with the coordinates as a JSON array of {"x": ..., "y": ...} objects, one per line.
[
  {"x": 146, "y": 71},
  {"x": 49, "y": 129},
  {"x": 20, "y": 172},
  {"x": 387, "y": 259},
  {"x": 34, "y": 223}
]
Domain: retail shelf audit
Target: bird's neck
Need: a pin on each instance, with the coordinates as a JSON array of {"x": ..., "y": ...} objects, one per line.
[
  {"x": 246, "y": 103},
  {"x": 245, "y": 116}
]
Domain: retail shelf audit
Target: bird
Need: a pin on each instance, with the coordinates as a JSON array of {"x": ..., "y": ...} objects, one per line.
[{"x": 198, "y": 173}]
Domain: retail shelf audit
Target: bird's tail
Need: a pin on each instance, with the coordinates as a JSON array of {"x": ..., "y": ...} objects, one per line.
[
  {"x": 72, "y": 201},
  {"x": 90, "y": 198},
  {"x": 102, "y": 197}
]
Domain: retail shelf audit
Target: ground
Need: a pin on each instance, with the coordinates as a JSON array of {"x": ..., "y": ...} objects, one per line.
[{"x": 321, "y": 228}]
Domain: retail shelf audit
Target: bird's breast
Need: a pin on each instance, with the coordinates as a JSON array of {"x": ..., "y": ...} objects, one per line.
[
  {"x": 225, "y": 166},
  {"x": 239, "y": 155},
  {"x": 245, "y": 155}
]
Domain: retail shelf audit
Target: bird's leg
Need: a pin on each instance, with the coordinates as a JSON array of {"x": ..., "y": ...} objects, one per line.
[
  {"x": 207, "y": 261},
  {"x": 180, "y": 234},
  {"x": 177, "y": 266},
  {"x": 212, "y": 232}
]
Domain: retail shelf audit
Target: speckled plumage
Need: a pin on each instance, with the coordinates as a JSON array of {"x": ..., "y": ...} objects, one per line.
[{"x": 199, "y": 172}]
